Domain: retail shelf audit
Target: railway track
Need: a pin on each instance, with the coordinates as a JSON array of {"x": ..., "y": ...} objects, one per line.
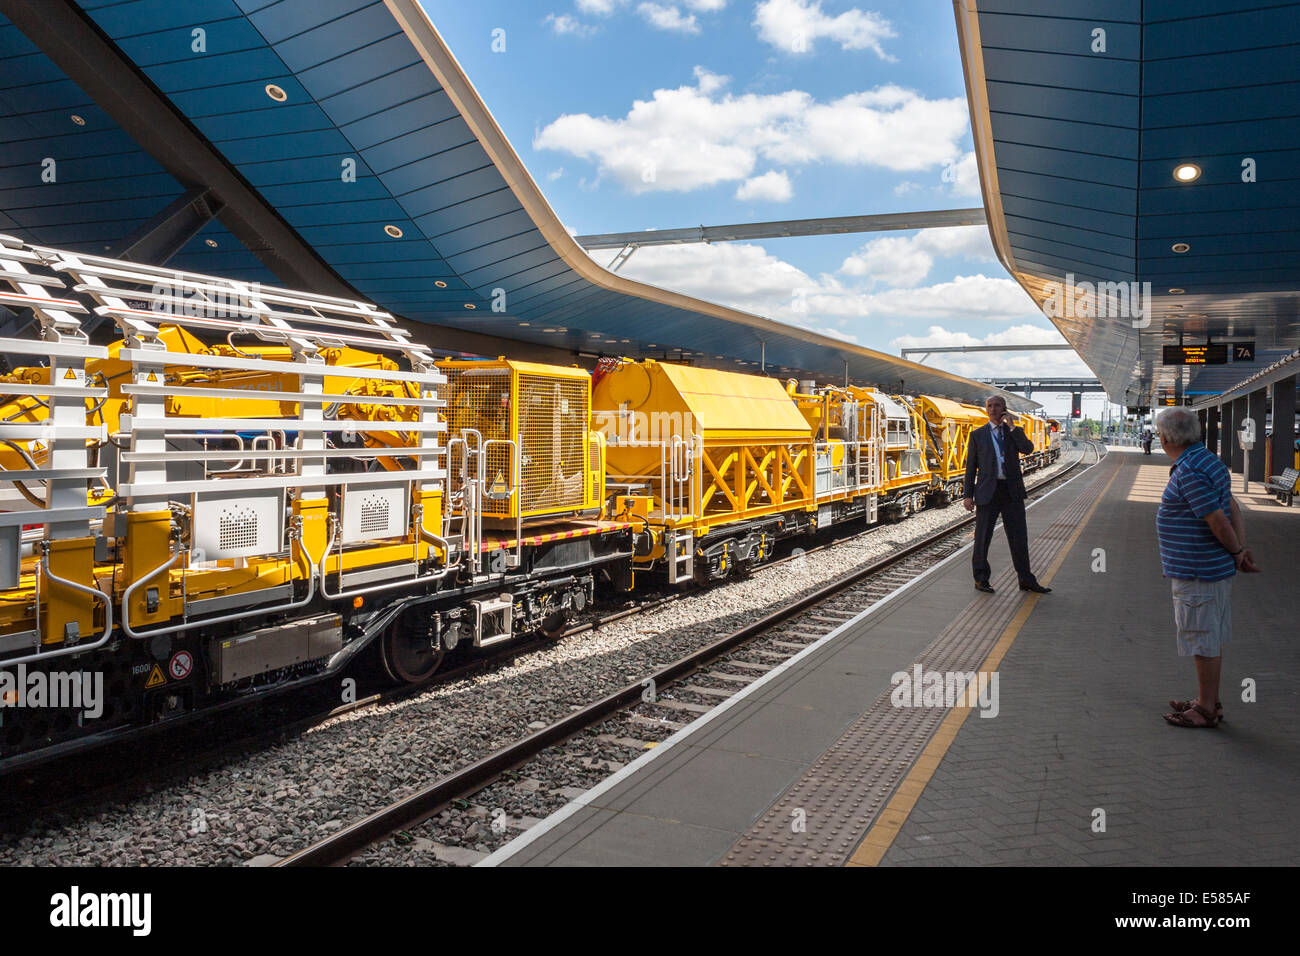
[
  {"x": 165, "y": 755},
  {"x": 147, "y": 758},
  {"x": 716, "y": 671}
]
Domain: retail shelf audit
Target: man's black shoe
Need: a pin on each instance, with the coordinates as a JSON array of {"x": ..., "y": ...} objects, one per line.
[
  {"x": 984, "y": 586},
  {"x": 1035, "y": 587}
]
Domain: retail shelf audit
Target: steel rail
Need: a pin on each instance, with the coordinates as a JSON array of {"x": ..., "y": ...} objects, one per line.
[{"x": 346, "y": 843}]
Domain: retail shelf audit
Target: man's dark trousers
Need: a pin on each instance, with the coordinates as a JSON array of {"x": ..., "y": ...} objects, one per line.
[{"x": 1012, "y": 512}]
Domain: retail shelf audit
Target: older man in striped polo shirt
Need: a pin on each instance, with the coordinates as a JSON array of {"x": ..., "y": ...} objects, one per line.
[{"x": 1202, "y": 546}]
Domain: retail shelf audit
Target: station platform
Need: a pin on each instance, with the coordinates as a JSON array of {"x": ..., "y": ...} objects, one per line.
[{"x": 819, "y": 763}]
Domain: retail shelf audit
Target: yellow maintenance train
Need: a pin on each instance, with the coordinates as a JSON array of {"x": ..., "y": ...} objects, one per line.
[{"x": 210, "y": 490}]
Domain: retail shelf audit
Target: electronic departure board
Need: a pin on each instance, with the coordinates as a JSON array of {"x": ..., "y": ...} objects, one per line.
[{"x": 1213, "y": 354}]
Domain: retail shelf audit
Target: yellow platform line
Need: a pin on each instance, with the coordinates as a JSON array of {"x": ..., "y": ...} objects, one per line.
[{"x": 883, "y": 832}]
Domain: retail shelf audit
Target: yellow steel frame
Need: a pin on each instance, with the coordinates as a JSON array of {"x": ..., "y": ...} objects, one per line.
[
  {"x": 529, "y": 500},
  {"x": 734, "y": 474}
]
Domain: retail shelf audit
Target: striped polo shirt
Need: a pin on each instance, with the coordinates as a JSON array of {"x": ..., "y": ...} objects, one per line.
[{"x": 1199, "y": 484}]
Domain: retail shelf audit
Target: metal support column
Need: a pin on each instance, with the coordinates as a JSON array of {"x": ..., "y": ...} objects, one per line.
[
  {"x": 167, "y": 232},
  {"x": 1238, "y": 416},
  {"x": 1283, "y": 424},
  {"x": 1257, "y": 408},
  {"x": 1225, "y": 438}
]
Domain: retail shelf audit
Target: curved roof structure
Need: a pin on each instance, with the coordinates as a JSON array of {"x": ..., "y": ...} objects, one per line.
[
  {"x": 1082, "y": 111},
  {"x": 342, "y": 149}
]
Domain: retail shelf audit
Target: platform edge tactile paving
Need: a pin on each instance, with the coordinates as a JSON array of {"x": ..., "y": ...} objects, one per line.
[{"x": 822, "y": 818}]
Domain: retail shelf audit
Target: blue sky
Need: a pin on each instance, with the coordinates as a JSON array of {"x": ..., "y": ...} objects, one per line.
[{"x": 635, "y": 115}]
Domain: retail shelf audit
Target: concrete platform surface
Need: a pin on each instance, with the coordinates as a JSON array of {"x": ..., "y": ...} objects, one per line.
[{"x": 817, "y": 763}]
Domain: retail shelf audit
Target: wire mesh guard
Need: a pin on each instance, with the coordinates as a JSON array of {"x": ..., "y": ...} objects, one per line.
[
  {"x": 551, "y": 414},
  {"x": 553, "y": 418}
]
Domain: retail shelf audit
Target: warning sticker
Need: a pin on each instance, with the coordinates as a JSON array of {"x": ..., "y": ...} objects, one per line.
[
  {"x": 156, "y": 678},
  {"x": 70, "y": 374},
  {"x": 181, "y": 664}
]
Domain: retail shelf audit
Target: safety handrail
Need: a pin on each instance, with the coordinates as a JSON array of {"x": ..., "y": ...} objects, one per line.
[
  {"x": 373, "y": 588},
  {"x": 295, "y": 538},
  {"x": 516, "y": 491},
  {"x": 44, "y": 566}
]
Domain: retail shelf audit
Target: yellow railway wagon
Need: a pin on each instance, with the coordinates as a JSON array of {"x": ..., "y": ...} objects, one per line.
[
  {"x": 526, "y": 427},
  {"x": 948, "y": 428},
  {"x": 905, "y": 477},
  {"x": 1039, "y": 431},
  {"x": 247, "y": 488},
  {"x": 847, "y": 447},
  {"x": 716, "y": 464}
]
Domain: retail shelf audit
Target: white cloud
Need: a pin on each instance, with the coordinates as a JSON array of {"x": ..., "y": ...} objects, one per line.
[
  {"x": 664, "y": 16},
  {"x": 708, "y": 82},
  {"x": 888, "y": 126},
  {"x": 698, "y": 136},
  {"x": 746, "y": 276},
  {"x": 1054, "y": 364},
  {"x": 773, "y": 186},
  {"x": 903, "y": 261},
  {"x": 964, "y": 176},
  {"x": 963, "y": 297},
  {"x": 795, "y": 26},
  {"x": 565, "y": 24},
  {"x": 555, "y": 174},
  {"x": 667, "y": 18},
  {"x": 895, "y": 260}
]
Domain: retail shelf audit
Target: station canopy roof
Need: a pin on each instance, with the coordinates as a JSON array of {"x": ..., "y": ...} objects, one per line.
[
  {"x": 1082, "y": 110},
  {"x": 262, "y": 111}
]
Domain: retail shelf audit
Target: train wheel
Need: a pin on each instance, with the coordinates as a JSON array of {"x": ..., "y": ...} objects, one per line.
[
  {"x": 409, "y": 653},
  {"x": 553, "y": 625}
]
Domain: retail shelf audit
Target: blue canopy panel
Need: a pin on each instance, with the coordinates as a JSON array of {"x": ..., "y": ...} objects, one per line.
[
  {"x": 333, "y": 116},
  {"x": 70, "y": 177},
  {"x": 1083, "y": 110}
]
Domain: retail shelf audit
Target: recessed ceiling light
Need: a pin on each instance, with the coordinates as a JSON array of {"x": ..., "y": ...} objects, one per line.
[
  {"x": 393, "y": 231},
  {"x": 78, "y": 120},
  {"x": 524, "y": 324},
  {"x": 1180, "y": 247},
  {"x": 212, "y": 243},
  {"x": 1187, "y": 172},
  {"x": 626, "y": 341},
  {"x": 276, "y": 93},
  {"x": 439, "y": 283},
  {"x": 470, "y": 305},
  {"x": 1177, "y": 291}
]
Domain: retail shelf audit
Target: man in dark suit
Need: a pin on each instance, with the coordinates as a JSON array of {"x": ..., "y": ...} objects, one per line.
[{"x": 995, "y": 485}]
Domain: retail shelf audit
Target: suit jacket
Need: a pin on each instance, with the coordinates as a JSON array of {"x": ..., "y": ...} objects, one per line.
[{"x": 982, "y": 464}]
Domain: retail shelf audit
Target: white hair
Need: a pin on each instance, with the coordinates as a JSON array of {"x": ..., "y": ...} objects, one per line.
[{"x": 1178, "y": 426}]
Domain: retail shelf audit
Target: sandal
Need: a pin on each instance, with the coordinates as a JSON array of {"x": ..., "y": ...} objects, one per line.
[
  {"x": 1182, "y": 720},
  {"x": 1179, "y": 706}
]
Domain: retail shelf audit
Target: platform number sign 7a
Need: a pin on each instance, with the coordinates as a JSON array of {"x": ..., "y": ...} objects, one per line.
[{"x": 1243, "y": 351}]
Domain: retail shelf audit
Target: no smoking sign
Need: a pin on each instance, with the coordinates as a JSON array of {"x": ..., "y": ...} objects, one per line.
[{"x": 180, "y": 665}]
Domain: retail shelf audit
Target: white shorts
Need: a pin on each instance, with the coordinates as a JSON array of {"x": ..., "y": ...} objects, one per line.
[{"x": 1202, "y": 616}]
